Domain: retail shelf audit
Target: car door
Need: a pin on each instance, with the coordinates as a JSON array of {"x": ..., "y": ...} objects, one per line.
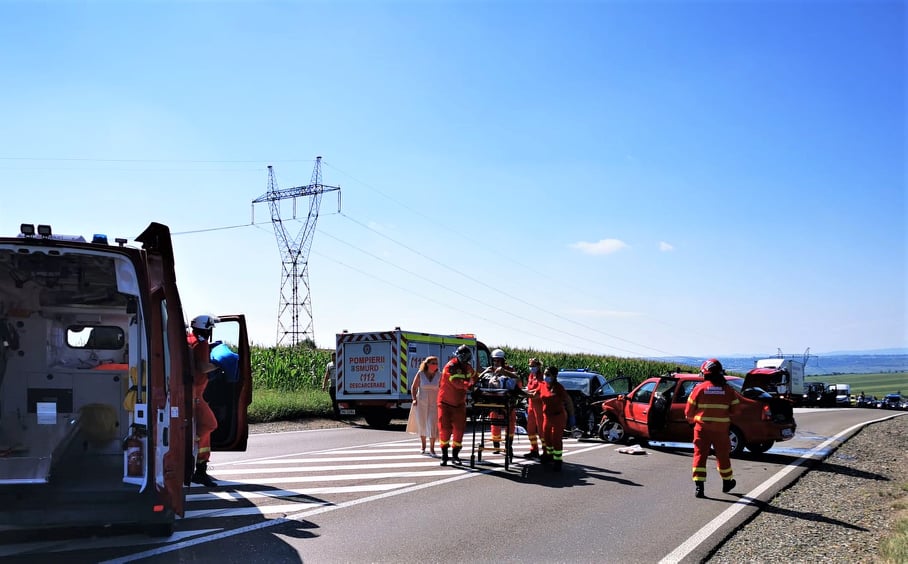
[
  {"x": 659, "y": 414},
  {"x": 636, "y": 409},
  {"x": 229, "y": 390},
  {"x": 677, "y": 428}
]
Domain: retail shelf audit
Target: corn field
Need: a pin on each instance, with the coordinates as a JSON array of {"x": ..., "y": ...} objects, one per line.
[
  {"x": 294, "y": 369},
  {"x": 288, "y": 369}
]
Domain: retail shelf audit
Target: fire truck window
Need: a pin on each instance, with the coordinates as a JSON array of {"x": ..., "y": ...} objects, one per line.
[{"x": 101, "y": 337}]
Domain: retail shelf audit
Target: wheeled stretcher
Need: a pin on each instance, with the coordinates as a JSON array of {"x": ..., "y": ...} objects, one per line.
[{"x": 493, "y": 406}]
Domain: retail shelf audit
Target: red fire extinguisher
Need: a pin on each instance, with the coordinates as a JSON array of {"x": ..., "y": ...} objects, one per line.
[{"x": 135, "y": 456}]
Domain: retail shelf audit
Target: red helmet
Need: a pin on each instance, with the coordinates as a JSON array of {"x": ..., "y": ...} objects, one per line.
[{"x": 711, "y": 366}]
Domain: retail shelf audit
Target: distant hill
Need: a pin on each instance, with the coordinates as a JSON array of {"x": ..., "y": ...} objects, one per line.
[{"x": 858, "y": 363}]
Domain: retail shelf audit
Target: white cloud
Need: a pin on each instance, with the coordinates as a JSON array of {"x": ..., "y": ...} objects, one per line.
[
  {"x": 603, "y": 247},
  {"x": 665, "y": 247}
]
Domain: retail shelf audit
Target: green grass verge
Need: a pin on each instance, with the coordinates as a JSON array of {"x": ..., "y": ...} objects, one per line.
[
  {"x": 894, "y": 548},
  {"x": 277, "y": 405},
  {"x": 871, "y": 384}
]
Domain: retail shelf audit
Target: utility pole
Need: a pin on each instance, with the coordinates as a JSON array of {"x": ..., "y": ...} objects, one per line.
[{"x": 295, "y": 254}]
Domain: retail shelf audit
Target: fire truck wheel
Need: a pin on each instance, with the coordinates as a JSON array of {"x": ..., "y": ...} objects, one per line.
[{"x": 378, "y": 420}]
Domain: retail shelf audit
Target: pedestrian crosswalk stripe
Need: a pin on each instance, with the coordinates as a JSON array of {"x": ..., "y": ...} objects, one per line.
[
  {"x": 323, "y": 468},
  {"x": 253, "y": 510},
  {"x": 345, "y": 477},
  {"x": 236, "y": 495}
]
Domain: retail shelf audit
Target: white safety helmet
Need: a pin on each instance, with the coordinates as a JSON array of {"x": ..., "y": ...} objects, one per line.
[
  {"x": 203, "y": 322},
  {"x": 498, "y": 353}
]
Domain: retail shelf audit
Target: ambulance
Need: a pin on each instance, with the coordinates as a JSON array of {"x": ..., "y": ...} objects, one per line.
[
  {"x": 375, "y": 370},
  {"x": 96, "y": 418}
]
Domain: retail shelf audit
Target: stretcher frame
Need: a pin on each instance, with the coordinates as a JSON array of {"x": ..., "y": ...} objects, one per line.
[{"x": 487, "y": 401}]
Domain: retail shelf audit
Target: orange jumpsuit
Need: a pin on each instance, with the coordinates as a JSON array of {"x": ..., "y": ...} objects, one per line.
[
  {"x": 205, "y": 420},
  {"x": 534, "y": 412},
  {"x": 456, "y": 379},
  {"x": 499, "y": 416},
  {"x": 709, "y": 408},
  {"x": 554, "y": 418}
]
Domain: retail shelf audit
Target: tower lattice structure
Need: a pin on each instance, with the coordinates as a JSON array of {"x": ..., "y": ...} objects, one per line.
[{"x": 295, "y": 292}]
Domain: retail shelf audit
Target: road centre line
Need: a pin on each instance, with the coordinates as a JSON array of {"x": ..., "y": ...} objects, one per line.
[{"x": 688, "y": 546}]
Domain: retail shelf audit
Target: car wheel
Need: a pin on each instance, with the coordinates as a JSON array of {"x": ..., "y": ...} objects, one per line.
[
  {"x": 737, "y": 441},
  {"x": 612, "y": 431},
  {"x": 760, "y": 448}
]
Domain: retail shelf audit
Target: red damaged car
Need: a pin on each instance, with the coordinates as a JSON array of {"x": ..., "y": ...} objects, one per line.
[{"x": 654, "y": 411}]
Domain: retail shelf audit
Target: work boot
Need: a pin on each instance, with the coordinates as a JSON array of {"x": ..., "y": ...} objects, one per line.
[
  {"x": 532, "y": 454},
  {"x": 455, "y": 458},
  {"x": 545, "y": 457},
  {"x": 444, "y": 456},
  {"x": 698, "y": 489},
  {"x": 200, "y": 476},
  {"x": 497, "y": 446},
  {"x": 556, "y": 466},
  {"x": 728, "y": 485}
]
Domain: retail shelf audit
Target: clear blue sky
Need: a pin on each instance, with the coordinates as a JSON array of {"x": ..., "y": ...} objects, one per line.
[{"x": 629, "y": 178}]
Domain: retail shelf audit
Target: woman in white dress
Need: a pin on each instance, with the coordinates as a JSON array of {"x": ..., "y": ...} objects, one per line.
[{"x": 425, "y": 402}]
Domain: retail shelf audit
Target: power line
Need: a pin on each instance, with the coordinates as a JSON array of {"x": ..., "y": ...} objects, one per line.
[
  {"x": 507, "y": 294},
  {"x": 541, "y": 273}
]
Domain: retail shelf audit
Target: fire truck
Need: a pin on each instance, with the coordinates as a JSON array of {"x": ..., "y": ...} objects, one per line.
[
  {"x": 96, "y": 418},
  {"x": 374, "y": 369}
]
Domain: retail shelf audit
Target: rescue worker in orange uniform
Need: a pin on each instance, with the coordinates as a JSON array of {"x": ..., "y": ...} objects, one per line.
[
  {"x": 709, "y": 409},
  {"x": 534, "y": 409},
  {"x": 503, "y": 377},
  {"x": 557, "y": 409},
  {"x": 457, "y": 377},
  {"x": 205, "y": 420}
]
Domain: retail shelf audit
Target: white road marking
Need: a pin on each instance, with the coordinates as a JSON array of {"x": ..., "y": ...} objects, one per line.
[
  {"x": 244, "y": 495},
  {"x": 700, "y": 536},
  {"x": 252, "y": 510},
  {"x": 95, "y": 543}
]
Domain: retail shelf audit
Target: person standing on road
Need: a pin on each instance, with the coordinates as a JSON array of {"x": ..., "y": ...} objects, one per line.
[
  {"x": 425, "y": 402},
  {"x": 329, "y": 383},
  {"x": 709, "y": 409},
  {"x": 456, "y": 378},
  {"x": 534, "y": 409},
  {"x": 199, "y": 339},
  {"x": 557, "y": 409}
]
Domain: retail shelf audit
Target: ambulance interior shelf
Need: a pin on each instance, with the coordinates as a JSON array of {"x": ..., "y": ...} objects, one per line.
[{"x": 60, "y": 405}]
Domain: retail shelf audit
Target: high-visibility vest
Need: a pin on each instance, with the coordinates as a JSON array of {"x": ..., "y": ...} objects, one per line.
[{"x": 709, "y": 403}]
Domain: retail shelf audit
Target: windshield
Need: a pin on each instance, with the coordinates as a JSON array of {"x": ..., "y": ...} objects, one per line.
[
  {"x": 578, "y": 384},
  {"x": 736, "y": 383}
]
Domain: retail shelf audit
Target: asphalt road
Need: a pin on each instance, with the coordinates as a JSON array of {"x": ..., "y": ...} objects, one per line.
[{"x": 361, "y": 495}]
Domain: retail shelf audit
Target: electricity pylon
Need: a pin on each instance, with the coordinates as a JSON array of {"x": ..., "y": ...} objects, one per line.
[{"x": 295, "y": 254}]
